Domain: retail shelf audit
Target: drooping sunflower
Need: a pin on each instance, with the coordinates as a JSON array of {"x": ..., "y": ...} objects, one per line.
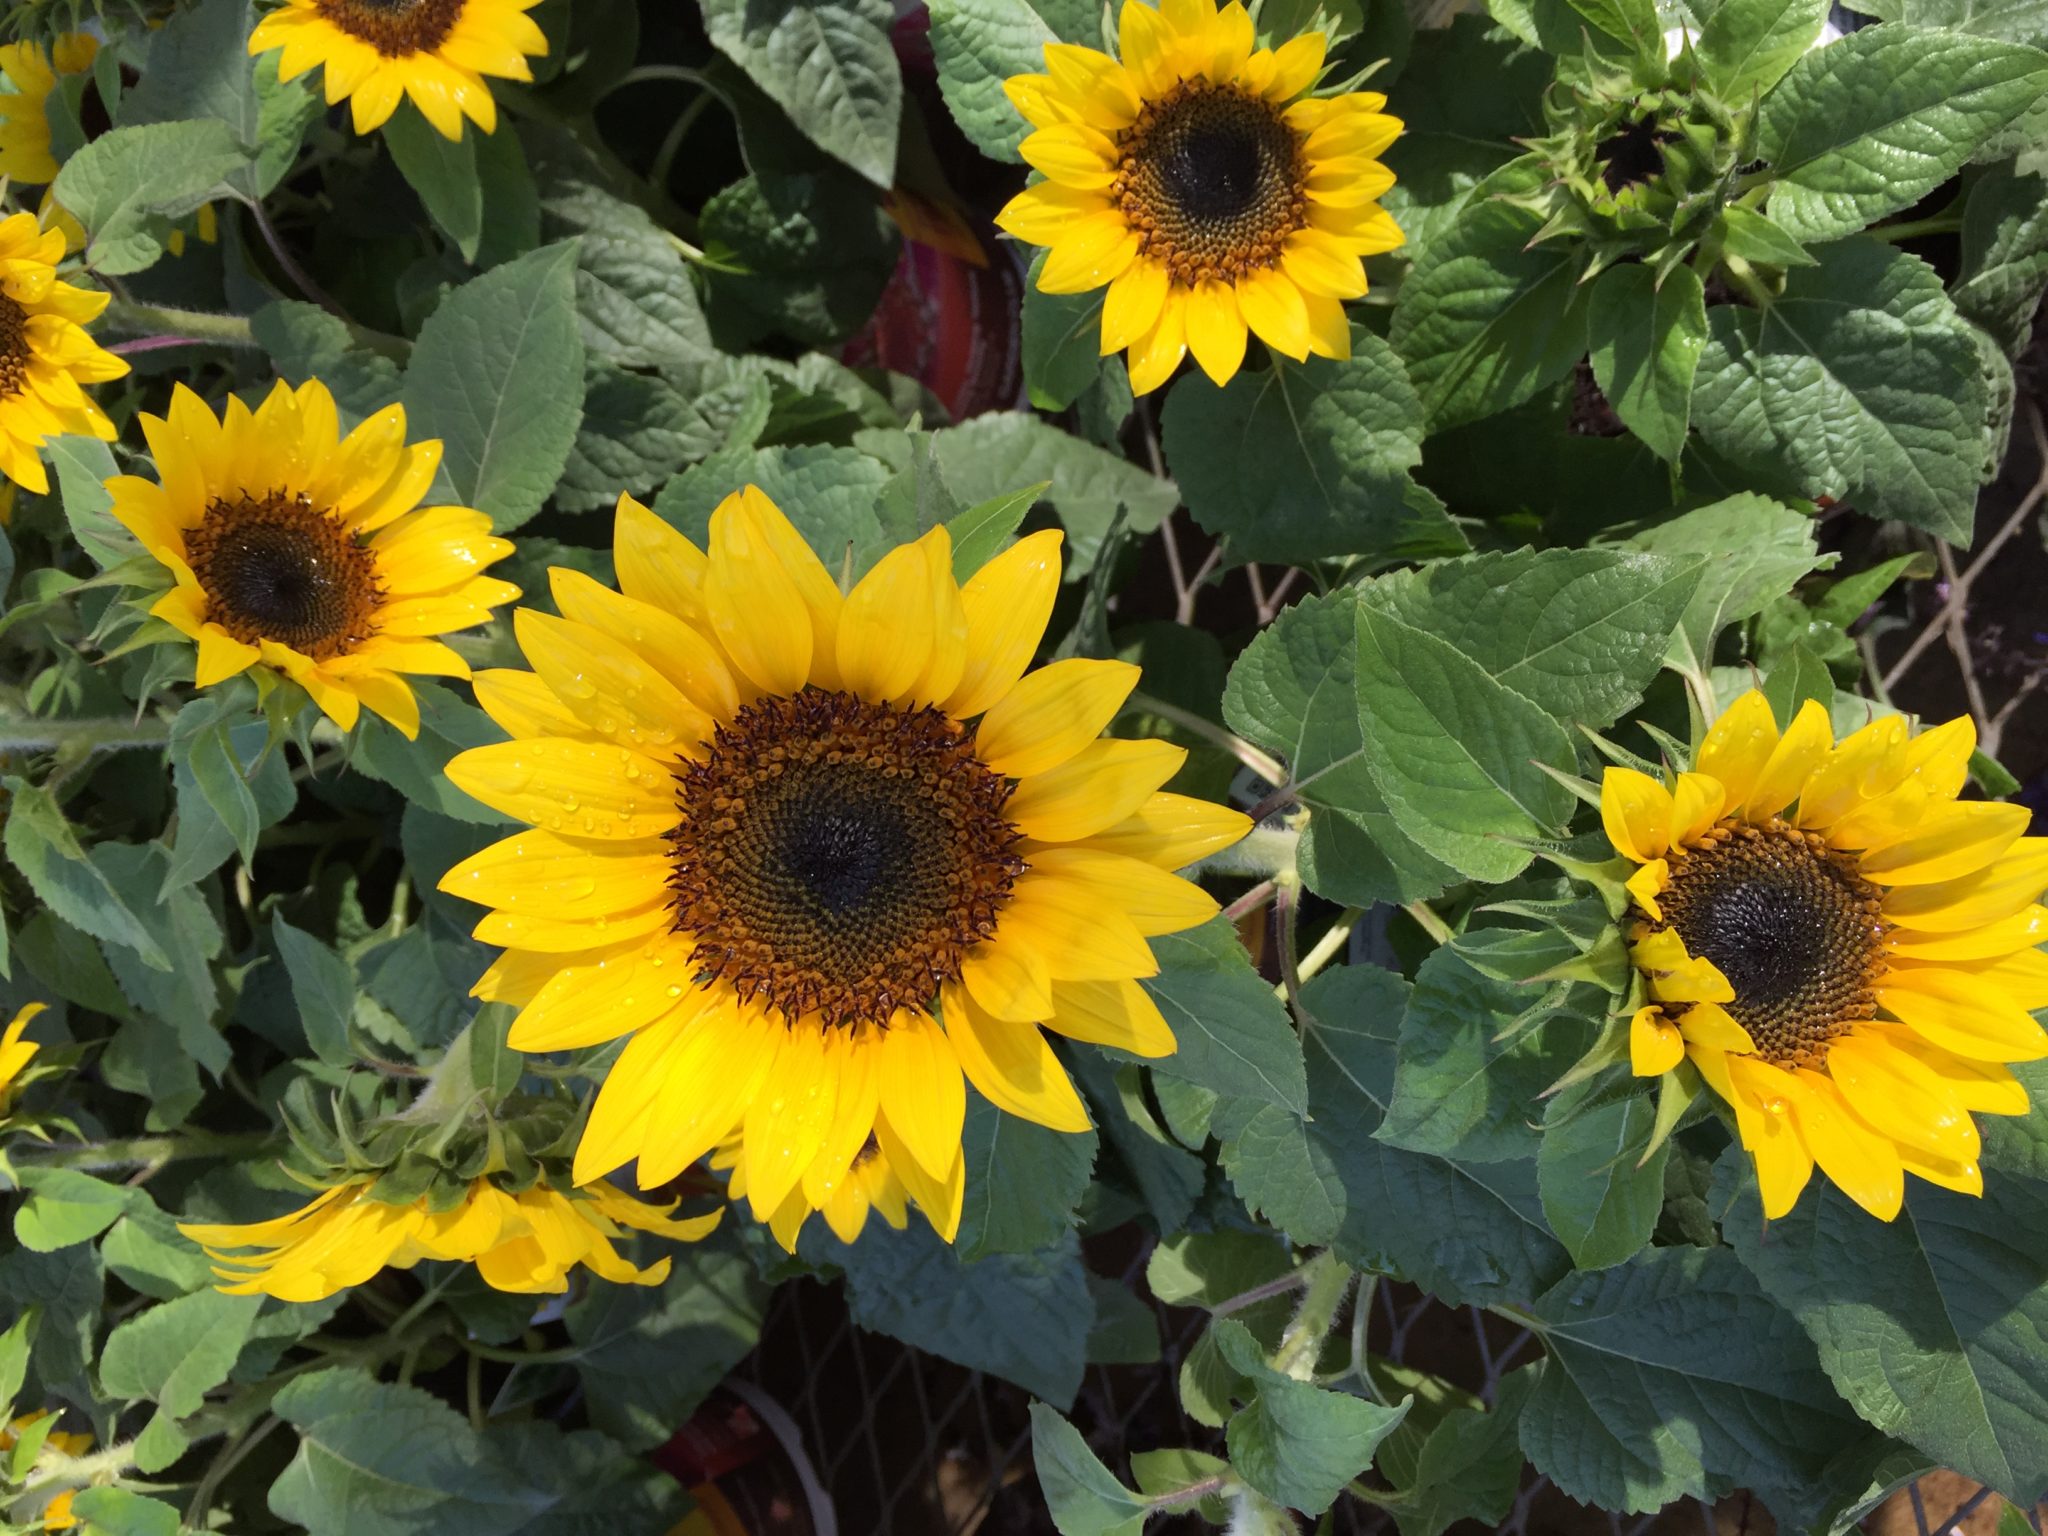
[
  {"x": 819, "y": 853},
  {"x": 299, "y": 551},
  {"x": 45, "y": 354},
  {"x": 1200, "y": 181},
  {"x": 435, "y": 51},
  {"x": 1842, "y": 948},
  {"x": 523, "y": 1241},
  {"x": 55, "y": 1515},
  {"x": 872, "y": 1185}
]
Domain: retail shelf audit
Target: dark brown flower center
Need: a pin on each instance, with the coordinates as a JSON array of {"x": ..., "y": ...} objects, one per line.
[
  {"x": 1791, "y": 924},
  {"x": 840, "y": 858},
  {"x": 1633, "y": 155},
  {"x": 395, "y": 27},
  {"x": 1213, "y": 180},
  {"x": 276, "y": 567},
  {"x": 14, "y": 348}
]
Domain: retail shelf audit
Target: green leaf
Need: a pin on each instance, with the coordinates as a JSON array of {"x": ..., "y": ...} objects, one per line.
[
  {"x": 147, "y": 1252},
  {"x": 64, "y": 1208},
  {"x": 306, "y": 342},
  {"x": 979, "y": 44},
  {"x": 1062, "y": 341},
  {"x": 1756, "y": 549},
  {"x": 83, "y": 465},
  {"x": 1484, "y": 320},
  {"x": 381, "y": 1460},
  {"x": 1880, "y": 119},
  {"x": 120, "y": 1512},
  {"x": 323, "y": 986},
  {"x": 199, "y": 67},
  {"x": 1931, "y": 1324},
  {"x": 1601, "y": 1198},
  {"x": 67, "y": 1290},
  {"x": 203, "y": 841},
  {"x": 1167, "y": 1178},
  {"x": 2005, "y": 255},
  {"x": 1747, "y": 45},
  {"x": 174, "y": 1355},
  {"x": 14, "y": 1348},
  {"x": 828, "y": 64},
  {"x": 813, "y": 253},
  {"x": 636, "y": 304},
  {"x": 983, "y": 531},
  {"x": 637, "y": 430},
  {"x": 1578, "y": 632},
  {"x": 42, "y": 845},
  {"x": 1231, "y": 1031},
  {"x": 183, "y": 925},
  {"x": 199, "y": 736},
  {"x": 1629, "y": 21},
  {"x": 1082, "y": 1496},
  {"x": 1456, "y": 752},
  {"x": 1862, "y": 383},
  {"x": 1470, "y": 1466},
  {"x": 2015, "y": 21},
  {"x": 1645, "y": 340},
  {"x": 829, "y": 493},
  {"x": 1308, "y": 461},
  {"x": 497, "y": 375},
  {"x": 128, "y": 185},
  {"x": 1022, "y": 1316},
  {"x": 443, "y": 172},
  {"x": 1296, "y": 1443},
  {"x": 1023, "y": 1182},
  {"x": 1673, "y": 1376},
  {"x": 1755, "y": 238},
  {"x": 648, "y": 1357},
  {"x": 1167, "y": 1477},
  {"x": 1464, "y": 1232},
  {"x": 414, "y": 768},
  {"x": 1471, "y": 1067}
]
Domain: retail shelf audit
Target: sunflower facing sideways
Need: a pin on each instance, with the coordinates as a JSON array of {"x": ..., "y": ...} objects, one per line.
[
  {"x": 45, "y": 355},
  {"x": 305, "y": 554},
  {"x": 32, "y": 70},
  {"x": 377, "y": 51},
  {"x": 1842, "y": 948},
  {"x": 816, "y": 854},
  {"x": 1201, "y": 182}
]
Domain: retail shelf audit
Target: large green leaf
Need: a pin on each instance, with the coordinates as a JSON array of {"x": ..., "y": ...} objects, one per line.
[
  {"x": 1674, "y": 1376},
  {"x": 1309, "y": 461},
  {"x": 1747, "y": 45},
  {"x": 1645, "y": 339},
  {"x": 1023, "y": 1181},
  {"x": 1232, "y": 1033},
  {"x": 829, "y": 493},
  {"x": 174, "y": 1355},
  {"x": 1485, "y": 320},
  {"x": 979, "y": 44},
  {"x": 1601, "y": 1195},
  {"x": 1293, "y": 691},
  {"x": 63, "y": 1207},
  {"x": 1578, "y": 632},
  {"x": 497, "y": 375},
  {"x": 2005, "y": 255},
  {"x": 813, "y": 253},
  {"x": 1468, "y": 1468},
  {"x": 1466, "y": 1232},
  {"x": 129, "y": 185},
  {"x": 2015, "y": 21},
  {"x": 42, "y": 845},
  {"x": 828, "y": 64},
  {"x": 1081, "y": 1494},
  {"x": 443, "y": 172},
  {"x": 1062, "y": 341},
  {"x": 1752, "y": 549},
  {"x": 1862, "y": 383},
  {"x": 1456, "y": 752},
  {"x": 1931, "y": 1325},
  {"x": 1877, "y": 121},
  {"x": 637, "y": 430}
]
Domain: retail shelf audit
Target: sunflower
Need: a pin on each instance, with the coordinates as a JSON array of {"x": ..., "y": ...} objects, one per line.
[
  {"x": 299, "y": 549},
  {"x": 1200, "y": 181},
  {"x": 56, "y": 1515},
  {"x": 871, "y": 1186},
  {"x": 45, "y": 354},
  {"x": 1842, "y": 948},
  {"x": 33, "y": 71},
  {"x": 522, "y": 1241},
  {"x": 435, "y": 51},
  {"x": 15, "y": 1052},
  {"x": 769, "y": 846}
]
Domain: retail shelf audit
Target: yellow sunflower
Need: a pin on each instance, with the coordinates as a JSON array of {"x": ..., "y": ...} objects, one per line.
[
  {"x": 45, "y": 354},
  {"x": 32, "y": 71},
  {"x": 56, "y": 1515},
  {"x": 871, "y": 1186},
  {"x": 15, "y": 1052},
  {"x": 770, "y": 847},
  {"x": 435, "y": 51},
  {"x": 299, "y": 550},
  {"x": 1842, "y": 948},
  {"x": 1200, "y": 181},
  {"x": 523, "y": 1241}
]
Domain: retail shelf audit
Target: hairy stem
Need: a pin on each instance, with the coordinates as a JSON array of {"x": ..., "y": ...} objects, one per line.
[{"x": 1328, "y": 1283}]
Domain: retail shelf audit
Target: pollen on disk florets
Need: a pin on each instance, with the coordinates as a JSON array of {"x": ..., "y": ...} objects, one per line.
[
  {"x": 276, "y": 567},
  {"x": 1793, "y": 926},
  {"x": 839, "y": 858}
]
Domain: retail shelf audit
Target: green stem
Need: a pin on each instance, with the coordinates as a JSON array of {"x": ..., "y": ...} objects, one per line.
[
  {"x": 1329, "y": 1281},
  {"x": 140, "y": 1151},
  {"x": 77, "y": 1471},
  {"x": 1425, "y": 915},
  {"x": 1325, "y": 949},
  {"x": 231, "y": 1456},
  {"x": 191, "y": 324},
  {"x": 1912, "y": 229},
  {"x": 1264, "y": 851},
  {"x": 525, "y": 1356},
  {"x": 1264, "y": 765},
  {"x": 83, "y": 736}
]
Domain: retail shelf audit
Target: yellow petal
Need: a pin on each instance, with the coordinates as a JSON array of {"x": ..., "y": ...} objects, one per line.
[
  {"x": 583, "y": 789},
  {"x": 1078, "y": 939},
  {"x": 1052, "y": 714},
  {"x": 922, "y": 1091},
  {"x": 1947, "y": 843},
  {"x": 1647, "y": 884},
  {"x": 562, "y": 876},
  {"x": 1957, "y": 1012},
  {"x": 1953, "y": 906},
  {"x": 1216, "y": 330},
  {"x": 1738, "y": 746},
  {"x": 1676, "y": 976},
  {"x": 1095, "y": 789},
  {"x": 1654, "y": 1043},
  {"x": 1071, "y": 154},
  {"x": 1007, "y": 602},
  {"x": 851, "y": 1060},
  {"x": 615, "y": 994},
  {"x": 523, "y": 706},
  {"x": 1713, "y": 1027},
  {"x": 722, "y": 1065},
  {"x": 1013, "y": 1067},
  {"x": 1155, "y": 356},
  {"x": 1901, "y": 1099},
  {"x": 678, "y": 651},
  {"x": 610, "y": 687},
  {"x": 1798, "y": 753},
  {"x": 1009, "y": 979},
  {"x": 1696, "y": 802},
  {"x": 787, "y": 1122},
  {"x": 2002, "y": 936},
  {"x": 1636, "y": 811},
  {"x": 656, "y": 564},
  {"x": 885, "y": 631},
  {"x": 755, "y": 606},
  {"x": 1273, "y": 307},
  {"x": 1296, "y": 63},
  {"x": 1156, "y": 902},
  {"x": 1863, "y": 1164},
  {"x": 1040, "y": 214},
  {"x": 1132, "y": 305},
  {"x": 1095, "y": 249},
  {"x": 1173, "y": 831}
]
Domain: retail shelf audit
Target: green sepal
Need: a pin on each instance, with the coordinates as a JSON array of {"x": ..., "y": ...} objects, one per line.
[
  {"x": 1617, "y": 754},
  {"x": 1677, "y": 753},
  {"x": 1676, "y": 1091}
]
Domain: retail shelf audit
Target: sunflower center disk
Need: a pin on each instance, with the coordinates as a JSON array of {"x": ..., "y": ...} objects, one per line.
[
  {"x": 840, "y": 858},
  {"x": 276, "y": 567},
  {"x": 1213, "y": 181},
  {"x": 395, "y": 27},
  {"x": 1791, "y": 925},
  {"x": 14, "y": 348}
]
